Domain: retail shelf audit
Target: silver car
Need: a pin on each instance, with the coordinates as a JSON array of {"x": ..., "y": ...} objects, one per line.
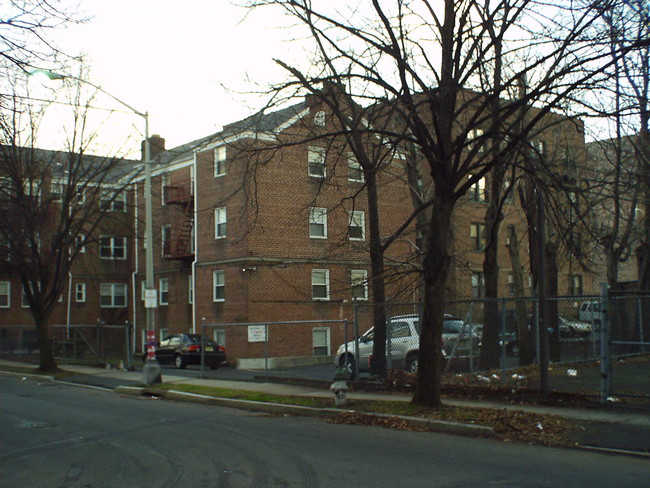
[{"x": 403, "y": 347}]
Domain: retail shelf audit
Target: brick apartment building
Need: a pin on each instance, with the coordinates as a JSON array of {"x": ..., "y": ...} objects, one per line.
[{"x": 266, "y": 221}]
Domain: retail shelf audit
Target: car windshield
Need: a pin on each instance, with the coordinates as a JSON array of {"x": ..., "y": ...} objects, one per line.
[{"x": 196, "y": 339}]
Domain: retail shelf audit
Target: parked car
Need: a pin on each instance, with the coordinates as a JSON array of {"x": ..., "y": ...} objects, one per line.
[
  {"x": 590, "y": 312},
  {"x": 183, "y": 349},
  {"x": 573, "y": 328},
  {"x": 458, "y": 338}
]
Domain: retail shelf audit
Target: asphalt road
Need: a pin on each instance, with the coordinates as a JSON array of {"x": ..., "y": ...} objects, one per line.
[{"x": 57, "y": 435}]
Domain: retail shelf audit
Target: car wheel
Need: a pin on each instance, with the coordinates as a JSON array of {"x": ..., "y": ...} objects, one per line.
[
  {"x": 349, "y": 367},
  {"x": 178, "y": 362},
  {"x": 214, "y": 366},
  {"x": 412, "y": 364}
]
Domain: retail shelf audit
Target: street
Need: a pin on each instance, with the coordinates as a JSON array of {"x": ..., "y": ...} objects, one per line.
[{"x": 57, "y": 435}]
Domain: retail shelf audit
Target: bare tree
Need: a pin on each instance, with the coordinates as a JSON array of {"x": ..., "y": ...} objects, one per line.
[
  {"x": 420, "y": 62},
  {"x": 53, "y": 204}
]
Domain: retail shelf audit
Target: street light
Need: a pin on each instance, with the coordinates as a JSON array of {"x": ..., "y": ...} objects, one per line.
[{"x": 151, "y": 371}]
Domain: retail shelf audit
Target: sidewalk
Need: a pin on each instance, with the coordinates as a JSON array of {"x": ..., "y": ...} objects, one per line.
[{"x": 608, "y": 430}]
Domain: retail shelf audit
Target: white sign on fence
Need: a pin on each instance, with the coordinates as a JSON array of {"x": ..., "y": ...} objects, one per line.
[{"x": 256, "y": 333}]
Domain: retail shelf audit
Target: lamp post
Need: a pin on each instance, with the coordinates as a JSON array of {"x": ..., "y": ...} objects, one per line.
[{"x": 151, "y": 371}]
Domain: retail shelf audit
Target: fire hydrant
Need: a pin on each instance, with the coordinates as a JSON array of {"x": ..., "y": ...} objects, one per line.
[{"x": 339, "y": 387}]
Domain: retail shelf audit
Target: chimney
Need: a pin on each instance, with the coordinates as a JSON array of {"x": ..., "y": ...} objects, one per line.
[{"x": 157, "y": 146}]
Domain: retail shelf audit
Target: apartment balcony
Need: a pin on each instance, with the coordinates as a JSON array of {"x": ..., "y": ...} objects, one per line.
[
  {"x": 179, "y": 249},
  {"x": 179, "y": 194}
]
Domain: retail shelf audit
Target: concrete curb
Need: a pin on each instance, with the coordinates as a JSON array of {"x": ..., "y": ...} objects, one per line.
[
  {"x": 28, "y": 376},
  {"x": 440, "y": 426}
]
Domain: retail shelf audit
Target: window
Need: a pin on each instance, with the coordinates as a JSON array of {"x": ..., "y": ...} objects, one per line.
[
  {"x": 475, "y": 139},
  {"x": 190, "y": 290},
  {"x": 477, "y": 234},
  {"x": 318, "y": 223},
  {"x": 220, "y": 223},
  {"x": 477, "y": 191},
  {"x": 57, "y": 189},
  {"x": 220, "y": 161},
  {"x": 219, "y": 285},
  {"x": 321, "y": 341},
  {"x": 316, "y": 162},
  {"x": 5, "y": 294},
  {"x": 80, "y": 292},
  {"x": 575, "y": 285},
  {"x": 219, "y": 336},
  {"x": 163, "y": 290},
  {"x": 115, "y": 202},
  {"x": 112, "y": 295},
  {"x": 511, "y": 284},
  {"x": 359, "y": 282},
  {"x": 478, "y": 285},
  {"x": 165, "y": 182},
  {"x": 320, "y": 284},
  {"x": 319, "y": 118},
  {"x": 355, "y": 172},
  {"x": 357, "y": 228},
  {"x": 79, "y": 243},
  {"x": 166, "y": 240},
  {"x": 24, "y": 302},
  {"x": 112, "y": 247}
]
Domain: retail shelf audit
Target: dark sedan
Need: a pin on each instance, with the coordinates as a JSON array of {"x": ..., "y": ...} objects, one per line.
[{"x": 183, "y": 349}]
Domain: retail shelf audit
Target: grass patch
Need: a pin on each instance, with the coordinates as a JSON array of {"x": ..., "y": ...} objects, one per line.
[{"x": 59, "y": 374}]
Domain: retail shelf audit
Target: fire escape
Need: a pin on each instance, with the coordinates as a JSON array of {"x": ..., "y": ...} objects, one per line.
[{"x": 179, "y": 244}]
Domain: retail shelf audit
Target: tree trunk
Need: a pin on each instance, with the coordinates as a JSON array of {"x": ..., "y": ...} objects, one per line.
[
  {"x": 523, "y": 323},
  {"x": 46, "y": 354},
  {"x": 378, "y": 360},
  {"x": 436, "y": 271}
]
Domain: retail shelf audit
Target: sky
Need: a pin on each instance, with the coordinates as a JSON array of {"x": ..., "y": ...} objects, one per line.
[{"x": 192, "y": 65}]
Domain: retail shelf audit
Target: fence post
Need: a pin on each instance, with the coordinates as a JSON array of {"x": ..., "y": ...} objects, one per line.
[
  {"x": 356, "y": 340},
  {"x": 202, "y": 346},
  {"x": 389, "y": 341},
  {"x": 129, "y": 351},
  {"x": 502, "y": 316},
  {"x": 266, "y": 352},
  {"x": 605, "y": 357},
  {"x": 640, "y": 314}
]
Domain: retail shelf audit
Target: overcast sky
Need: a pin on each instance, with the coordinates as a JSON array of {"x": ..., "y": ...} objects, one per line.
[{"x": 178, "y": 60}]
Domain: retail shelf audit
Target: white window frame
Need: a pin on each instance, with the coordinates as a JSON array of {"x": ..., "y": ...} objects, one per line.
[
  {"x": 316, "y": 159},
  {"x": 478, "y": 191},
  {"x": 23, "y": 298},
  {"x": 80, "y": 292},
  {"x": 220, "y": 156},
  {"x": 320, "y": 279},
  {"x": 218, "y": 282},
  {"x": 113, "y": 288},
  {"x": 165, "y": 181},
  {"x": 79, "y": 240},
  {"x": 117, "y": 204},
  {"x": 316, "y": 332},
  {"x": 113, "y": 245},
  {"x": 477, "y": 232},
  {"x": 357, "y": 220},
  {"x": 5, "y": 291},
  {"x": 220, "y": 223},
  {"x": 359, "y": 280},
  {"x": 319, "y": 118},
  {"x": 317, "y": 220},
  {"x": 163, "y": 291},
  {"x": 57, "y": 188},
  {"x": 355, "y": 171},
  {"x": 165, "y": 236}
]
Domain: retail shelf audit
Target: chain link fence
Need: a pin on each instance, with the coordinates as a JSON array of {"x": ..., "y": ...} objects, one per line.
[
  {"x": 81, "y": 343},
  {"x": 277, "y": 345},
  {"x": 499, "y": 342}
]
